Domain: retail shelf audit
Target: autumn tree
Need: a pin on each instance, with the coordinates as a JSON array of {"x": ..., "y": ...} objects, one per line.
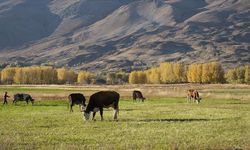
[
  {"x": 191, "y": 73},
  {"x": 247, "y": 74},
  {"x": 217, "y": 72},
  {"x": 133, "y": 77},
  {"x": 240, "y": 72},
  {"x": 71, "y": 77},
  {"x": 206, "y": 73},
  {"x": 111, "y": 78},
  {"x": 7, "y": 75},
  {"x": 137, "y": 77},
  {"x": 66, "y": 76},
  {"x": 122, "y": 77},
  {"x": 85, "y": 77},
  {"x": 61, "y": 75},
  {"x": 231, "y": 76},
  {"x": 153, "y": 76},
  {"x": 166, "y": 73},
  {"x": 179, "y": 73},
  {"x": 117, "y": 78}
]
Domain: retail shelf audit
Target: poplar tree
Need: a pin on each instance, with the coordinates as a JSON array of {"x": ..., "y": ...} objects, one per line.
[
  {"x": 84, "y": 77},
  {"x": 247, "y": 74}
]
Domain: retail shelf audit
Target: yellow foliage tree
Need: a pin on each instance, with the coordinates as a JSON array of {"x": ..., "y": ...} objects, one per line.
[
  {"x": 133, "y": 77},
  {"x": 71, "y": 77},
  {"x": 247, "y": 74},
  {"x": 191, "y": 73},
  {"x": 166, "y": 73},
  {"x": 61, "y": 75},
  {"x": 84, "y": 77},
  {"x": 231, "y": 76},
  {"x": 7, "y": 75},
  {"x": 153, "y": 76}
]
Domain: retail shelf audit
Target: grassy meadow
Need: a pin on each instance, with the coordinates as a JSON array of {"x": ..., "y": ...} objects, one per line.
[{"x": 164, "y": 121}]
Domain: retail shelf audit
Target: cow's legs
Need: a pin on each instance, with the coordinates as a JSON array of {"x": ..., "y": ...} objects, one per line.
[
  {"x": 70, "y": 108},
  {"x": 101, "y": 113},
  {"x": 116, "y": 113},
  {"x": 94, "y": 116},
  {"x": 27, "y": 102}
]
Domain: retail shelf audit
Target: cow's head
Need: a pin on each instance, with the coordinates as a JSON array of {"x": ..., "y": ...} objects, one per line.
[
  {"x": 83, "y": 108},
  {"x": 198, "y": 99},
  {"x": 86, "y": 115}
]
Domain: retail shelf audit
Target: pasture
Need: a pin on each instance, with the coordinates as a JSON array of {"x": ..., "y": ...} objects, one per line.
[{"x": 164, "y": 121}]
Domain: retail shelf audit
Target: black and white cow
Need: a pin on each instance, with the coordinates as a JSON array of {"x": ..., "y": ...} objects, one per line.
[
  {"x": 100, "y": 100},
  {"x": 23, "y": 97},
  {"x": 78, "y": 99},
  {"x": 138, "y": 95}
]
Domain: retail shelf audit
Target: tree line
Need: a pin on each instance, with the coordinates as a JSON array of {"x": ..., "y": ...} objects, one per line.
[
  {"x": 165, "y": 73},
  {"x": 212, "y": 72},
  {"x": 51, "y": 75}
]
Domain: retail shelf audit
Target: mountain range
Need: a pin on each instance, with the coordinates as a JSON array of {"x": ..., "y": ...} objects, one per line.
[{"x": 111, "y": 35}]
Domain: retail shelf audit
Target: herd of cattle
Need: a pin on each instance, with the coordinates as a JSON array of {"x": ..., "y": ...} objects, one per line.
[{"x": 100, "y": 100}]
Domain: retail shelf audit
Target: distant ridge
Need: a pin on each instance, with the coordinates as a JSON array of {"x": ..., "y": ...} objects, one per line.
[{"x": 124, "y": 34}]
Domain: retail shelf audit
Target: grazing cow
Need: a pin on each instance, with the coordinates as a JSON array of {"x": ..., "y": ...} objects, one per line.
[
  {"x": 100, "y": 100},
  {"x": 78, "y": 99},
  {"x": 193, "y": 94},
  {"x": 138, "y": 95},
  {"x": 23, "y": 97}
]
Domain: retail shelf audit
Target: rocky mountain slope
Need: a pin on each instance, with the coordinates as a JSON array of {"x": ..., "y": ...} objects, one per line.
[{"x": 124, "y": 34}]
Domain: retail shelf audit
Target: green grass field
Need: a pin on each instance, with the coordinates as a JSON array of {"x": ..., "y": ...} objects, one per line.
[{"x": 162, "y": 123}]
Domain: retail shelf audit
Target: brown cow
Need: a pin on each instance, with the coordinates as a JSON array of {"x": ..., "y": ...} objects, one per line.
[{"x": 193, "y": 94}]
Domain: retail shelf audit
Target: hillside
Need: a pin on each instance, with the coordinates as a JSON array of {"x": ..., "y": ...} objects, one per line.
[{"x": 118, "y": 34}]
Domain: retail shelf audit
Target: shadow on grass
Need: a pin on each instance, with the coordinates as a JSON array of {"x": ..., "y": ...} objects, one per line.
[
  {"x": 180, "y": 120},
  {"x": 239, "y": 103},
  {"x": 126, "y": 109},
  {"x": 164, "y": 120},
  {"x": 49, "y": 105}
]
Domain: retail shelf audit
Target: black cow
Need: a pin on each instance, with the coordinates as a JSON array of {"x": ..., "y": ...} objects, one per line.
[
  {"x": 78, "y": 99},
  {"x": 100, "y": 100},
  {"x": 138, "y": 95},
  {"x": 23, "y": 97}
]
